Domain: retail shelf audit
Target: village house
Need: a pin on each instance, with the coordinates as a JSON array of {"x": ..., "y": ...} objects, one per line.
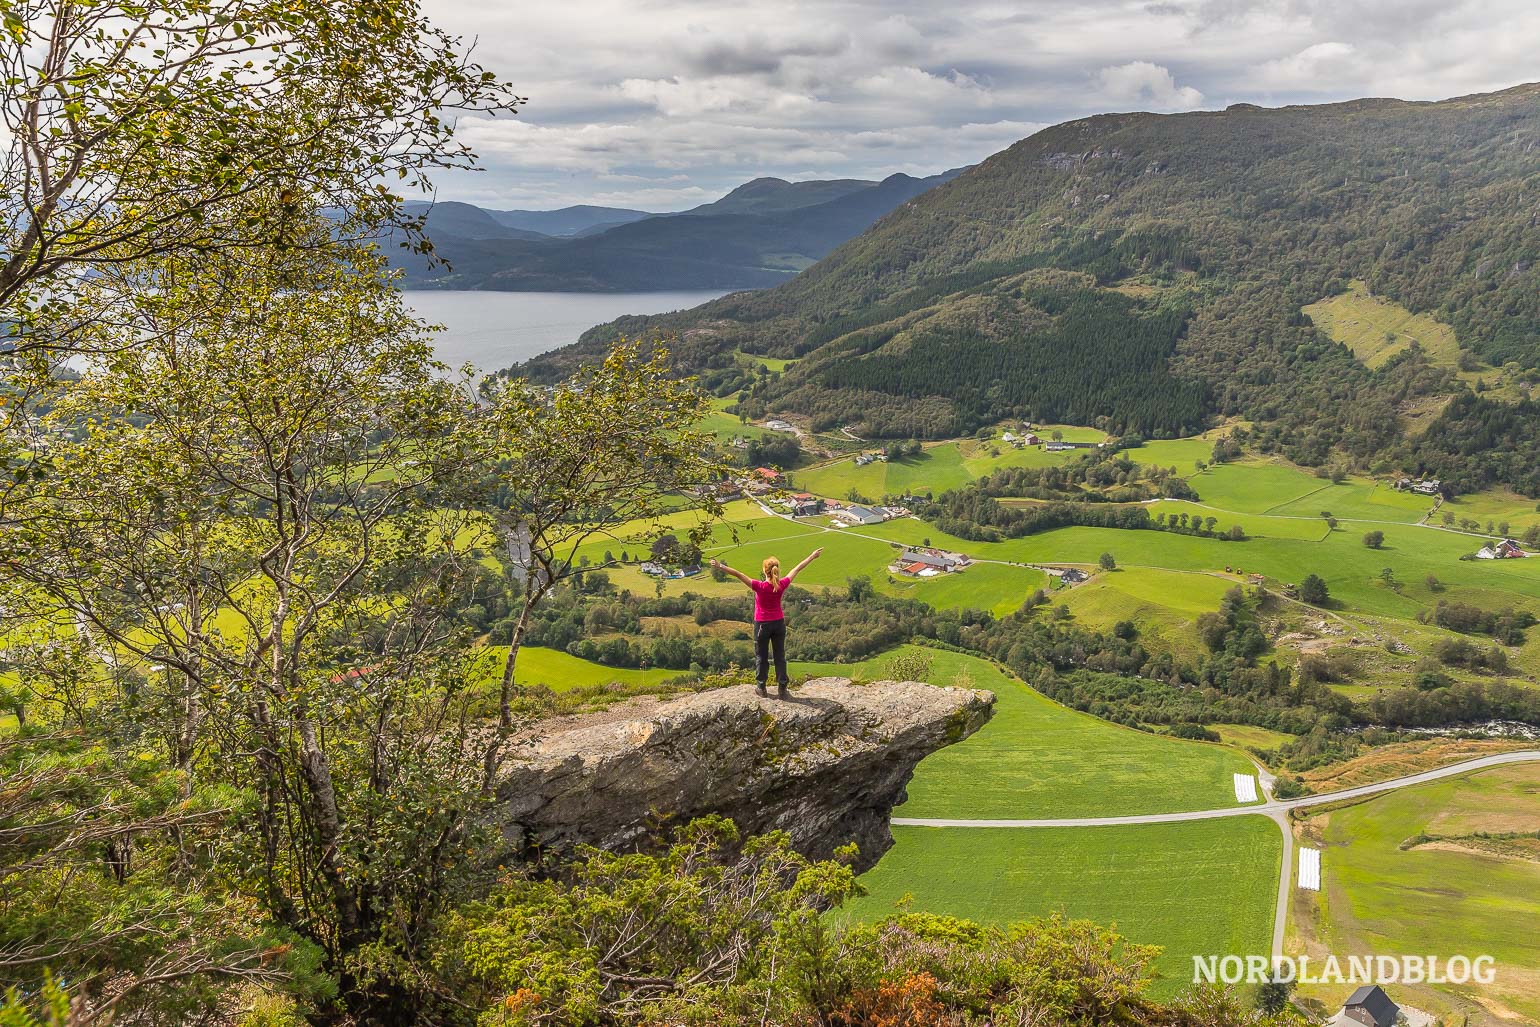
[
  {"x": 1369, "y": 1006},
  {"x": 1031, "y": 439},
  {"x": 859, "y": 515},
  {"x": 722, "y": 491},
  {"x": 805, "y": 504}
]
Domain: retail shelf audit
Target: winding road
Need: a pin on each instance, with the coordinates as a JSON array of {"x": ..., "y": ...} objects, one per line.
[{"x": 1276, "y": 810}]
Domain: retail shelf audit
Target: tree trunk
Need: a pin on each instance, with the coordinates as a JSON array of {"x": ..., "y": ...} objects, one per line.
[
  {"x": 504, "y": 709},
  {"x": 328, "y": 827}
]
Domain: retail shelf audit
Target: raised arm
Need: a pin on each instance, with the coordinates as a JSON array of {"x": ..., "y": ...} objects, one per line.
[
  {"x": 815, "y": 554},
  {"x": 719, "y": 565}
]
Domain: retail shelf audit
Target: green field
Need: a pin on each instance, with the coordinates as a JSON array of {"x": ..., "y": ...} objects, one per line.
[
  {"x": 1037, "y": 759},
  {"x": 1164, "y": 604},
  {"x": 998, "y": 588},
  {"x": 1254, "y": 486},
  {"x": 1359, "y": 499},
  {"x": 981, "y": 458},
  {"x": 726, "y": 426},
  {"x": 1444, "y": 899},
  {"x": 1350, "y": 569},
  {"x": 936, "y": 469},
  {"x": 1496, "y": 505},
  {"x": 1248, "y": 736},
  {"x": 1182, "y": 454},
  {"x": 1192, "y": 888},
  {"x": 1376, "y": 329},
  {"x": 1255, "y": 525},
  {"x": 561, "y": 671},
  {"x": 776, "y": 364},
  {"x": 1282, "y": 549}
]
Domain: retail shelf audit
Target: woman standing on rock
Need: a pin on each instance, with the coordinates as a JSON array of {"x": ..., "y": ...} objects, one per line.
[{"x": 769, "y": 619}]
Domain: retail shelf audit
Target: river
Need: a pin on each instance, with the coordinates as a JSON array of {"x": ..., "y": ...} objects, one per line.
[{"x": 494, "y": 330}]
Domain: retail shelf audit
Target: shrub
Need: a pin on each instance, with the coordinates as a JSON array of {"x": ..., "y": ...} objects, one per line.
[{"x": 910, "y": 665}]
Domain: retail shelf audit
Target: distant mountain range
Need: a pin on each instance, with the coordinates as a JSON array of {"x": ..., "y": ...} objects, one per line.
[{"x": 760, "y": 234}]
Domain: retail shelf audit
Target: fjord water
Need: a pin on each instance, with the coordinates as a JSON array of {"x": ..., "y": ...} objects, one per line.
[{"x": 494, "y": 330}]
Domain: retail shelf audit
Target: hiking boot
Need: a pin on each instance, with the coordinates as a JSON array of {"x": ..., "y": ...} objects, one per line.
[
  {"x": 781, "y": 692},
  {"x": 759, "y": 690}
]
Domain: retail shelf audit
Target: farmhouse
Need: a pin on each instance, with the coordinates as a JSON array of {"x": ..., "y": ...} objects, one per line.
[
  {"x": 805, "y": 505},
  {"x": 1031, "y": 439},
  {"x": 1369, "y": 1006},
  {"x": 776, "y": 424},
  {"x": 657, "y": 570},
  {"x": 859, "y": 515},
  {"x": 935, "y": 559},
  {"x": 862, "y": 459},
  {"x": 1426, "y": 487},
  {"x": 1073, "y": 576},
  {"x": 1507, "y": 549}
]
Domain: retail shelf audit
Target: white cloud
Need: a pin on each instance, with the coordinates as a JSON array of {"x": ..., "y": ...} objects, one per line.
[
  {"x": 1147, "y": 86},
  {"x": 657, "y": 104},
  {"x": 1315, "y": 64}
]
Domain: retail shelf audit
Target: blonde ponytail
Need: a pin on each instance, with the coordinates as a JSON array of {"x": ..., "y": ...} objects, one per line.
[{"x": 771, "y": 569}]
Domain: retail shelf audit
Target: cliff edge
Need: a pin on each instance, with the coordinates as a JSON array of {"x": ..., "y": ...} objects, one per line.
[{"x": 826, "y": 766}]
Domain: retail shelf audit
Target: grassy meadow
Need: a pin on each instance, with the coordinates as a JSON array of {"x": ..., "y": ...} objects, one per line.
[
  {"x": 1385, "y": 890},
  {"x": 1037, "y": 759},
  {"x": 1143, "y": 880}
]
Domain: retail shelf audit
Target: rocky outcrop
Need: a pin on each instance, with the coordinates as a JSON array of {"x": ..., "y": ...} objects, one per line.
[{"x": 827, "y": 766}]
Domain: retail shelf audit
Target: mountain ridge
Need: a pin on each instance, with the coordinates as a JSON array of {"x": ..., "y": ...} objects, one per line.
[
  {"x": 1237, "y": 219},
  {"x": 707, "y": 247}
]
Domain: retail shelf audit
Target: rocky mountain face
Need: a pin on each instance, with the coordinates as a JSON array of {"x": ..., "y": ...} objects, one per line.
[{"x": 827, "y": 767}]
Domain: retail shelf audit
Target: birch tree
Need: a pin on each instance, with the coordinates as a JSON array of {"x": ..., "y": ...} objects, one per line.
[{"x": 614, "y": 448}]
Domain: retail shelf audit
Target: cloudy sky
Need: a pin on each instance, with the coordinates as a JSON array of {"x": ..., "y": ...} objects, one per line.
[{"x": 663, "y": 105}]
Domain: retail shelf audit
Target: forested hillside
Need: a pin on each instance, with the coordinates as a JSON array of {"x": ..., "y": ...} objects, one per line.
[{"x": 1198, "y": 237}]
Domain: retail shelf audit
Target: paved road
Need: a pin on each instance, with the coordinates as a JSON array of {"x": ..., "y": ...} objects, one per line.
[{"x": 1276, "y": 810}]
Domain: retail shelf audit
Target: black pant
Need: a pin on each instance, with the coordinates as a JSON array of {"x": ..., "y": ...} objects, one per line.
[{"x": 768, "y": 634}]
